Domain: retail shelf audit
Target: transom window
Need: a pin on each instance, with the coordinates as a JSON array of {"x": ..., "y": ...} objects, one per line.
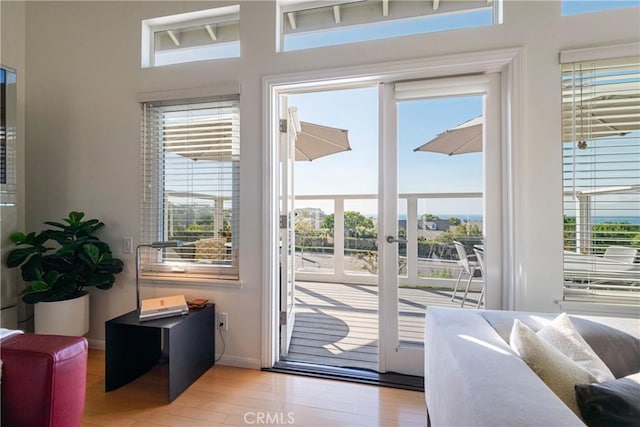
[
  {"x": 577, "y": 7},
  {"x": 306, "y": 24},
  {"x": 190, "y": 188},
  {"x": 193, "y": 36}
]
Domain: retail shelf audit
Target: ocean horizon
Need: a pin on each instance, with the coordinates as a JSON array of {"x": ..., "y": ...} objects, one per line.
[{"x": 635, "y": 220}]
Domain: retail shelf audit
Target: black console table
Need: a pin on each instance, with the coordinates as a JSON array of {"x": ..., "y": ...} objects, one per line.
[{"x": 134, "y": 347}]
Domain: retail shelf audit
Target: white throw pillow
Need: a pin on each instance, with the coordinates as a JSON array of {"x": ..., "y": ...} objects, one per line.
[
  {"x": 557, "y": 371},
  {"x": 564, "y": 337}
]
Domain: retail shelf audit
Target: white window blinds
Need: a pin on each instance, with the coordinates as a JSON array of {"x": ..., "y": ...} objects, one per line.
[
  {"x": 190, "y": 187},
  {"x": 601, "y": 179}
]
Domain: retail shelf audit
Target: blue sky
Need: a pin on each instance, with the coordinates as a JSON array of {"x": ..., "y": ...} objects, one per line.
[
  {"x": 389, "y": 29},
  {"x": 574, "y": 7},
  {"x": 356, "y": 171}
]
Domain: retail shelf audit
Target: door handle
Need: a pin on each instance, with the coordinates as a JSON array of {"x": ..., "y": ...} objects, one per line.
[{"x": 391, "y": 239}]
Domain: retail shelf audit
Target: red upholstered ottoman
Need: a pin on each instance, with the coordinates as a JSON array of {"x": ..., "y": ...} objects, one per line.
[{"x": 43, "y": 380}]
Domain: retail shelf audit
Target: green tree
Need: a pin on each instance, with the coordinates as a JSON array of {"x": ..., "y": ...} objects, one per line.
[
  {"x": 304, "y": 228},
  {"x": 467, "y": 234},
  {"x": 429, "y": 217},
  {"x": 355, "y": 224},
  {"x": 569, "y": 233},
  {"x": 454, "y": 220},
  {"x": 614, "y": 234},
  {"x": 205, "y": 218}
]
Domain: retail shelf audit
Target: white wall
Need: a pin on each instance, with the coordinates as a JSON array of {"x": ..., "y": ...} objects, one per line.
[
  {"x": 83, "y": 127},
  {"x": 12, "y": 55}
]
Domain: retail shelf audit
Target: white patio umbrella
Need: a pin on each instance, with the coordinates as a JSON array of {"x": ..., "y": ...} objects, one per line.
[
  {"x": 314, "y": 141},
  {"x": 602, "y": 111},
  {"x": 210, "y": 139},
  {"x": 206, "y": 136},
  {"x": 464, "y": 138}
]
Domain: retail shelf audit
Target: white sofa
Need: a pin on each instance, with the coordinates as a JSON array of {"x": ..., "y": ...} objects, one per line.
[{"x": 473, "y": 377}]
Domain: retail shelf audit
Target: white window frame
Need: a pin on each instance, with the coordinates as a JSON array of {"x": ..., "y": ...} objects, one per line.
[
  {"x": 601, "y": 303},
  {"x": 8, "y": 188},
  {"x": 153, "y": 268},
  {"x": 183, "y": 20}
]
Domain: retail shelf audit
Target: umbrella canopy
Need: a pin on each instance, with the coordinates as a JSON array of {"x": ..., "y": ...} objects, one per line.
[
  {"x": 464, "y": 138},
  {"x": 208, "y": 135},
  {"x": 314, "y": 141},
  {"x": 602, "y": 111}
]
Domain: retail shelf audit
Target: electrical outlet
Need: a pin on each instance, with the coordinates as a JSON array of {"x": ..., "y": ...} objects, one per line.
[{"x": 223, "y": 321}]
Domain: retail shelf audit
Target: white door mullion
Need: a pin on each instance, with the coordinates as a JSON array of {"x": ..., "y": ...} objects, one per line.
[{"x": 338, "y": 238}]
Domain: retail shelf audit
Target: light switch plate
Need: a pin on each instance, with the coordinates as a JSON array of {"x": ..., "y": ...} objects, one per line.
[{"x": 127, "y": 245}]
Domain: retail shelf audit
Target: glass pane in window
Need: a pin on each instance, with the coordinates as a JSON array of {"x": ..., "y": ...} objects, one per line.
[
  {"x": 601, "y": 174},
  {"x": 361, "y": 21},
  {"x": 576, "y": 7},
  {"x": 197, "y": 43},
  {"x": 191, "y": 177}
]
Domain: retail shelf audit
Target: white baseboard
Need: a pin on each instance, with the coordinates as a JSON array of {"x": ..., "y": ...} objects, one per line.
[
  {"x": 96, "y": 344},
  {"x": 239, "y": 362},
  {"x": 236, "y": 361}
]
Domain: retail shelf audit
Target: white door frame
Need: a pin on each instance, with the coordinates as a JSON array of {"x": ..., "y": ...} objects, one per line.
[{"x": 507, "y": 62}]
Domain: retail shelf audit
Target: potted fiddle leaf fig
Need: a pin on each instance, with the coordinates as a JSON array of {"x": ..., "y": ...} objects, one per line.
[{"x": 57, "y": 264}]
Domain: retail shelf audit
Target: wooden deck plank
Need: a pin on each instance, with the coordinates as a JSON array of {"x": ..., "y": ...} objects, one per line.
[{"x": 337, "y": 324}]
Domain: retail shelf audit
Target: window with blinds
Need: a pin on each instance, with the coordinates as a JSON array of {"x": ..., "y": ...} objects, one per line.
[
  {"x": 190, "y": 188},
  {"x": 601, "y": 180},
  {"x": 7, "y": 137}
]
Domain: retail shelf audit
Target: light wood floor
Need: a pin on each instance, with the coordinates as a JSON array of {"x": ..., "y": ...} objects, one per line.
[
  {"x": 337, "y": 324},
  {"x": 227, "y": 396}
]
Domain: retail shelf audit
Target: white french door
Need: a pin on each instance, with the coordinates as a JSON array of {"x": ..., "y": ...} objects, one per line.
[
  {"x": 396, "y": 353},
  {"x": 288, "y": 124},
  {"x": 399, "y": 351}
]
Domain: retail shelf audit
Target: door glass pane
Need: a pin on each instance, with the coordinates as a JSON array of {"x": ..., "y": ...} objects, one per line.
[
  {"x": 440, "y": 200},
  {"x": 336, "y": 298},
  {"x": 314, "y": 236},
  {"x": 402, "y": 238},
  {"x": 361, "y": 237}
]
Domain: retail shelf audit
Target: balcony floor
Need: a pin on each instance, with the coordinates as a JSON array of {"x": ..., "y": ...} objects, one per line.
[{"x": 337, "y": 324}]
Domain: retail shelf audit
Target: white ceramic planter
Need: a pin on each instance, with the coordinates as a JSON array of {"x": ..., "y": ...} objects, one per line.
[{"x": 70, "y": 317}]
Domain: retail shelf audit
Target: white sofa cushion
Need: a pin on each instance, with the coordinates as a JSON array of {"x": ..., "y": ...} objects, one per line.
[
  {"x": 558, "y": 372},
  {"x": 562, "y": 335}
]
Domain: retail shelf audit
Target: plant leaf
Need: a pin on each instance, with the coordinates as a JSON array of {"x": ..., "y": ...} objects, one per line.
[
  {"x": 51, "y": 277},
  {"x": 31, "y": 270},
  {"x": 93, "y": 252},
  {"x": 75, "y": 217},
  {"x": 18, "y": 237},
  {"x": 18, "y": 256},
  {"x": 55, "y": 224}
]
